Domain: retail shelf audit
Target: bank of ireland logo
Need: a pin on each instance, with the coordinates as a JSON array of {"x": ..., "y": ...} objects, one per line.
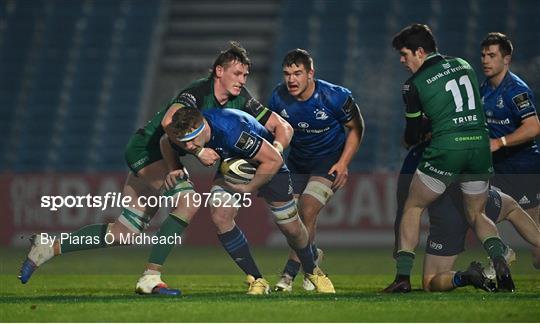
[
  {"x": 446, "y": 65},
  {"x": 303, "y": 125},
  {"x": 320, "y": 114}
]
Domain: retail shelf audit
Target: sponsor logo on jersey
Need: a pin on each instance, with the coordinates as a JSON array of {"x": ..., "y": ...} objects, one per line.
[
  {"x": 489, "y": 113},
  {"x": 500, "y": 102},
  {"x": 284, "y": 114},
  {"x": 446, "y": 65},
  {"x": 494, "y": 121},
  {"x": 320, "y": 114},
  {"x": 522, "y": 101},
  {"x": 303, "y": 125},
  {"x": 245, "y": 141}
]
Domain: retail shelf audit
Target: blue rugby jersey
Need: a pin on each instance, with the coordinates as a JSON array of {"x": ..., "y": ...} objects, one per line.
[
  {"x": 235, "y": 133},
  {"x": 318, "y": 121},
  {"x": 505, "y": 107}
]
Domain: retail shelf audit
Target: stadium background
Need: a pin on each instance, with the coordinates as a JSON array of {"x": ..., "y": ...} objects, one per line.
[{"x": 77, "y": 78}]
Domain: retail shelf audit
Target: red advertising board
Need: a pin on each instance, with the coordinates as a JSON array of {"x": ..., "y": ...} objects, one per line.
[{"x": 360, "y": 214}]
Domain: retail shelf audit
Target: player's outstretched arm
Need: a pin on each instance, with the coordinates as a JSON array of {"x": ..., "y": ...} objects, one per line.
[{"x": 527, "y": 131}]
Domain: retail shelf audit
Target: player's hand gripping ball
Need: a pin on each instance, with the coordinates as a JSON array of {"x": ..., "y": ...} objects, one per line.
[{"x": 238, "y": 171}]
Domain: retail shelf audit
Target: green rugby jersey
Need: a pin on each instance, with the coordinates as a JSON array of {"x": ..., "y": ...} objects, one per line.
[
  {"x": 446, "y": 91},
  {"x": 200, "y": 94}
]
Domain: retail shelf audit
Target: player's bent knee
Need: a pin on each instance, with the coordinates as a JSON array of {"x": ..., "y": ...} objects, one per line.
[
  {"x": 426, "y": 282},
  {"x": 182, "y": 187},
  {"x": 134, "y": 220},
  {"x": 285, "y": 214},
  {"x": 320, "y": 191},
  {"x": 219, "y": 197}
]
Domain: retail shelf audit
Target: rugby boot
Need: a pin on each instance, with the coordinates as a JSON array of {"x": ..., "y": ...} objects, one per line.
[
  {"x": 504, "y": 278},
  {"x": 322, "y": 283},
  {"x": 39, "y": 254},
  {"x": 509, "y": 256},
  {"x": 476, "y": 277},
  {"x": 151, "y": 284},
  {"x": 401, "y": 284},
  {"x": 257, "y": 286},
  {"x": 285, "y": 283}
]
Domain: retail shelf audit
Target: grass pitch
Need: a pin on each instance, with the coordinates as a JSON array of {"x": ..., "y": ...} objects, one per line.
[{"x": 97, "y": 286}]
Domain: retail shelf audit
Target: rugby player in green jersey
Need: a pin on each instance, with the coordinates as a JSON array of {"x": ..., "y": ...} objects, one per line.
[
  {"x": 156, "y": 170},
  {"x": 445, "y": 90}
]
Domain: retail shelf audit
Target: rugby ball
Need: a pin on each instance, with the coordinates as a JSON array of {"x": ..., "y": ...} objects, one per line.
[{"x": 239, "y": 171}]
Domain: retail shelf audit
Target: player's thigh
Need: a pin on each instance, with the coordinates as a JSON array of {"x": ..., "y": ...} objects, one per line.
[
  {"x": 534, "y": 212},
  {"x": 478, "y": 166},
  {"x": 154, "y": 174},
  {"x": 141, "y": 151},
  {"x": 435, "y": 264},
  {"x": 442, "y": 165},
  {"x": 424, "y": 190},
  {"x": 474, "y": 204},
  {"x": 447, "y": 228}
]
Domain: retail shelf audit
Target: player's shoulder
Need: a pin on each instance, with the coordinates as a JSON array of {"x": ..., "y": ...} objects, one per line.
[
  {"x": 331, "y": 89},
  {"x": 190, "y": 96},
  {"x": 226, "y": 115},
  {"x": 513, "y": 83},
  {"x": 280, "y": 91},
  {"x": 331, "y": 93},
  {"x": 198, "y": 84}
]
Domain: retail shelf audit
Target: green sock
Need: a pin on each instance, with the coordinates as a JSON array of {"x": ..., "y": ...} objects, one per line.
[
  {"x": 404, "y": 263},
  {"x": 171, "y": 225},
  {"x": 494, "y": 247},
  {"x": 86, "y": 238}
]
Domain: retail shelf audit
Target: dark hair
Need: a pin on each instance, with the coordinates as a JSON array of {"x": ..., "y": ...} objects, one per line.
[
  {"x": 298, "y": 56},
  {"x": 235, "y": 52},
  {"x": 186, "y": 119},
  {"x": 496, "y": 38},
  {"x": 415, "y": 36}
]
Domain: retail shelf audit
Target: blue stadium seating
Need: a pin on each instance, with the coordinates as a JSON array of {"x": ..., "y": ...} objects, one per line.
[{"x": 59, "y": 72}]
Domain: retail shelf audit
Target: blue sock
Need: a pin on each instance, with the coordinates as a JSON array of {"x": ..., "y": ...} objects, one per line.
[
  {"x": 306, "y": 258},
  {"x": 291, "y": 268},
  {"x": 458, "y": 280},
  {"x": 236, "y": 245},
  {"x": 314, "y": 251}
]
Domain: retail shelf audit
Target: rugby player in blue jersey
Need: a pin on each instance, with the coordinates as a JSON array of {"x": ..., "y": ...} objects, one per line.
[
  {"x": 235, "y": 134},
  {"x": 328, "y": 129},
  {"x": 513, "y": 124},
  {"x": 448, "y": 228},
  {"x": 146, "y": 152}
]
